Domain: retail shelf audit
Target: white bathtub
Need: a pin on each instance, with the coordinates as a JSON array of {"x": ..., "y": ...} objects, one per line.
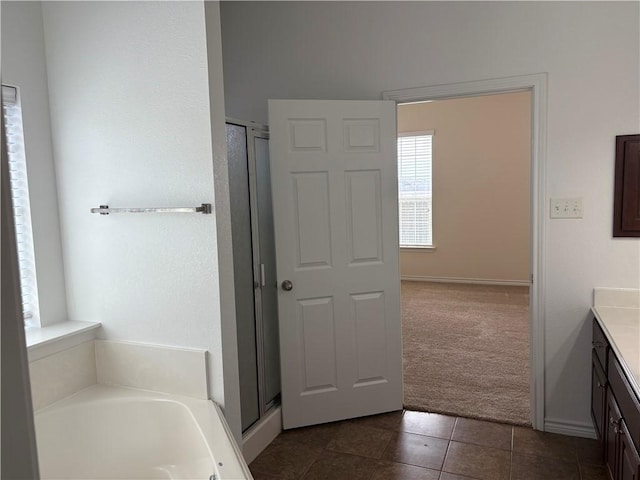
[{"x": 120, "y": 433}]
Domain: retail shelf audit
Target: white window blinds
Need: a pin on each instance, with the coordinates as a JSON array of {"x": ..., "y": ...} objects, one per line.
[
  {"x": 12, "y": 117},
  {"x": 414, "y": 189}
]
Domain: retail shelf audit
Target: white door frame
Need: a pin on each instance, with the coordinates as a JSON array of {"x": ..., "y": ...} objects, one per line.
[{"x": 537, "y": 85}]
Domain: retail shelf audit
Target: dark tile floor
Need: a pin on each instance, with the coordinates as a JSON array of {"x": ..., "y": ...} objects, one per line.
[{"x": 426, "y": 446}]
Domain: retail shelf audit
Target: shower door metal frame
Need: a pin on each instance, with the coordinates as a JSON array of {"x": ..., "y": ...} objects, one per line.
[{"x": 253, "y": 131}]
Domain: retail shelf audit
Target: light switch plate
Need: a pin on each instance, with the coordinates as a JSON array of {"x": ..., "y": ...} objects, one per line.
[{"x": 566, "y": 208}]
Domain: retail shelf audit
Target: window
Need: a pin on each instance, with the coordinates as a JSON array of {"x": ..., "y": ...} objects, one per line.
[
  {"x": 414, "y": 189},
  {"x": 12, "y": 117}
]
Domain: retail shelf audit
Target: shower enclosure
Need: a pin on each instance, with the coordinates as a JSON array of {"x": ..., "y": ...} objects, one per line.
[{"x": 254, "y": 269}]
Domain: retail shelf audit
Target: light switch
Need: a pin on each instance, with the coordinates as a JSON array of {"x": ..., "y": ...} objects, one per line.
[{"x": 566, "y": 208}]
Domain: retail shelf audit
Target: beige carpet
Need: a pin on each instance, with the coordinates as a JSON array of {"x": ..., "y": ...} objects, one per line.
[{"x": 466, "y": 350}]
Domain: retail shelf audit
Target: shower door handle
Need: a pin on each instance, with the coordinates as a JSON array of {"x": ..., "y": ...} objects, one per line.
[
  {"x": 263, "y": 279},
  {"x": 287, "y": 286}
]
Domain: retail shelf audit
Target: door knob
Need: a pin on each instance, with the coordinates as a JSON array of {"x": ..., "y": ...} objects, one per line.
[{"x": 287, "y": 286}]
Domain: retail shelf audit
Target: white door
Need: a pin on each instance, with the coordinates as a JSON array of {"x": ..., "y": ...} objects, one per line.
[{"x": 334, "y": 182}]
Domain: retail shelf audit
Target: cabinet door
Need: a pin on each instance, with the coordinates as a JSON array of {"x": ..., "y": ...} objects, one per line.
[
  {"x": 625, "y": 397},
  {"x": 626, "y": 208},
  {"x": 611, "y": 428},
  {"x": 598, "y": 396},
  {"x": 629, "y": 462}
]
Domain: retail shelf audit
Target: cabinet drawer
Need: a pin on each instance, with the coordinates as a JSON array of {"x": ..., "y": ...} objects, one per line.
[
  {"x": 626, "y": 398},
  {"x": 600, "y": 344}
]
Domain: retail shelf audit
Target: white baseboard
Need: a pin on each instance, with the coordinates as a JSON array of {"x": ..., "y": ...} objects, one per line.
[
  {"x": 262, "y": 434},
  {"x": 574, "y": 429},
  {"x": 478, "y": 281}
]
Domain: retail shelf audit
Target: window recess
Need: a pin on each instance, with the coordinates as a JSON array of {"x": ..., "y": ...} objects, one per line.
[{"x": 12, "y": 117}]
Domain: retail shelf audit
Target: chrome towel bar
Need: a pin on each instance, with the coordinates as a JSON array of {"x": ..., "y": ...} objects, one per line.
[{"x": 205, "y": 208}]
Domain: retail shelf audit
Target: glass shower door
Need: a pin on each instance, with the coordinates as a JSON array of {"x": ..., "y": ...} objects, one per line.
[
  {"x": 269, "y": 290},
  {"x": 254, "y": 270}
]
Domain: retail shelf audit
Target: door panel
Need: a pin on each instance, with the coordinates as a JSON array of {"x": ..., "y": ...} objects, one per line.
[
  {"x": 312, "y": 226},
  {"x": 334, "y": 183},
  {"x": 317, "y": 345},
  {"x": 364, "y": 205},
  {"x": 368, "y": 317}
]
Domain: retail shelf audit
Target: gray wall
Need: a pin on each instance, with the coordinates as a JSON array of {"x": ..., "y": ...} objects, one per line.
[{"x": 591, "y": 51}]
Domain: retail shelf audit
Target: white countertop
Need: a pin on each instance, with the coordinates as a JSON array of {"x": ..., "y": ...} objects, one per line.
[{"x": 620, "y": 322}]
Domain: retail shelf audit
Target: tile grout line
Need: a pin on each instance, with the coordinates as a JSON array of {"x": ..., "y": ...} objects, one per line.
[
  {"x": 577, "y": 456},
  {"x": 387, "y": 444},
  {"x": 381, "y": 459},
  {"x": 444, "y": 460},
  {"x": 306, "y": 470}
]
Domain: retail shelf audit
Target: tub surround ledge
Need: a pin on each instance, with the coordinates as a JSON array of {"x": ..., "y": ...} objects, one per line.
[
  {"x": 163, "y": 369},
  {"x": 173, "y": 370},
  {"x": 62, "y": 374},
  {"x": 45, "y": 341}
]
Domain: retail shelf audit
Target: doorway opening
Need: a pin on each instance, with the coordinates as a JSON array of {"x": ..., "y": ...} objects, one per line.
[
  {"x": 300, "y": 128},
  {"x": 465, "y": 203}
]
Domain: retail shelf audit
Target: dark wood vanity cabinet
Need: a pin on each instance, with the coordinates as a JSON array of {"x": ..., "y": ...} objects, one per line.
[{"x": 615, "y": 410}]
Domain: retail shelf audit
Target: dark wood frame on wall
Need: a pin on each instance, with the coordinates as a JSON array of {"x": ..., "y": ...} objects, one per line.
[{"x": 626, "y": 200}]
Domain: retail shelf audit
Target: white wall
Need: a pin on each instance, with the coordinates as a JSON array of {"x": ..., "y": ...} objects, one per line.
[
  {"x": 226, "y": 285},
  {"x": 23, "y": 65},
  {"x": 481, "y": 195},
  {"x": 129, "y": 91},
  {"x": 591, "y": 51}
]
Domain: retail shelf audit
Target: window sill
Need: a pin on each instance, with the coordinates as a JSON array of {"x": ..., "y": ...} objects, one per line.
[
  {"x": 431, "y": 248},
  {"x": 45, "y": 341}
]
